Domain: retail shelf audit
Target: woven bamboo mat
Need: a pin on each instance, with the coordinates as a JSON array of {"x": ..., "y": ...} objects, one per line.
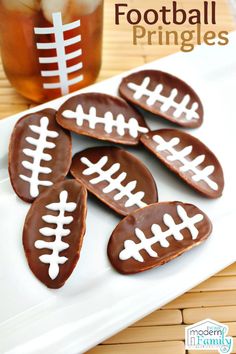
[{"x": 162, "y": 332}]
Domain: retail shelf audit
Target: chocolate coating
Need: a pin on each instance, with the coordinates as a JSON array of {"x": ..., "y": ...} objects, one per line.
[
  {"x": 169, "y": 83},
  {"x": 209, "y": 183},
  {"x": 33, "y": 223},
  {"x": 87, "y": 114},
  {"x": 57, "y": 159},
  {"x": 141, "y": 190},
  {"x": 149, "y": 219}
]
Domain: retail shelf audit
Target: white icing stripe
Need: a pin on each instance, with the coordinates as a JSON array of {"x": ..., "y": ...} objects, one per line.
[
  {"x": 57, "y": 246},
  {"x": 109, "y": 121},
  {"x": 132, "y": 249},
  {"x": 167, "y": 102},
  {"x": 38, "y": 156},
  {"x": 187, "y": 163},
  {"x": 114, "y": 183}
]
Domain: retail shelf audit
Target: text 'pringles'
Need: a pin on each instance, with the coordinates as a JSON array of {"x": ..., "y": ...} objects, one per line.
[{"x": 143, "y": 21}]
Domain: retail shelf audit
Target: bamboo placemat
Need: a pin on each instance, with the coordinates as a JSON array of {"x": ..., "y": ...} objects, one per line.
[{"x": 162, "y": 332}]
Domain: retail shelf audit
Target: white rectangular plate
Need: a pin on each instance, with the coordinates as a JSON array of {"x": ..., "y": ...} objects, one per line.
[{"x": 97, "y": 302}]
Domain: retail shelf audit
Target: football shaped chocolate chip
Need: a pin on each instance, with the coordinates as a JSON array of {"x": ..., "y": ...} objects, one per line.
[
  {"x": 116, "y": 177},
  {"x": 155, "y": 235},
  {"x": 164, "y": 95},
  {"x": 103, "y": 117},
  {"x": 54, "y": 230},
  {"x": 39, "y": 154},
  {"x": 189, "y": 158}
]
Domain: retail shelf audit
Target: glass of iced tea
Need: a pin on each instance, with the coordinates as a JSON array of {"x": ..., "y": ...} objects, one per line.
[{"x": 51, "y": 47}]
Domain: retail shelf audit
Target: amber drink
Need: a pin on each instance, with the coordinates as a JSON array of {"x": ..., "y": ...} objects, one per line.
[{"x": 51, "y": 47}]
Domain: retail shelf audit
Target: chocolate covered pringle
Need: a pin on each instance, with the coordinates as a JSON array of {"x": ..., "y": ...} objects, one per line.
[
  {"x": 116, "y": 177},
  {"x": 54, "y": 230},
  {"x": 103, "y": 117},
  {"x": 164, "y": 95},
  {"x": 40, "y": 154},
  {"x": 189, "y": 158},
  {"x": 155, "y": 235}
]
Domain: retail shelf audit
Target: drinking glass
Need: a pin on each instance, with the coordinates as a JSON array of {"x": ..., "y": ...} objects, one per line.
[{"x": 50, "y": 47}]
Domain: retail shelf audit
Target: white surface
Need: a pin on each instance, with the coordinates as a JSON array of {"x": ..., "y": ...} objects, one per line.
[{"x": 97, "y": 302}]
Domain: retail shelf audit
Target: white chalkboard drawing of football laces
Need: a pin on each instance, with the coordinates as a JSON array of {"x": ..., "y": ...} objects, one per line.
[
  {"x": 108, "y": 120},
  {"x": 61, "y": 58},
  {"x": 38, "y": 155},
  {"x": 114, "y": 183},
  {"x": 187, "y": 163},
  {"x": 167, "y": 102},
  {"x": 58, "y": 245},
  {"x": 132, "y": 249}
]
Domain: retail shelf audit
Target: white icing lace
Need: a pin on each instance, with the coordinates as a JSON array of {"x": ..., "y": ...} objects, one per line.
[
  {"x": 38, "y": 155},
  {"x": 57, "y": 246},
  {"x": 114, "y": 183},
  {"x": 108, "y": 121},
  {"x": 132, "y": 249},
  {"x": 187, "y": 163},
  {"x": 167, "y": 101}
]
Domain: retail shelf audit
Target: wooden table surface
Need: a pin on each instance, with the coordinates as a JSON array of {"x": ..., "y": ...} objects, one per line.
[{"x": 162, "y": 332}]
